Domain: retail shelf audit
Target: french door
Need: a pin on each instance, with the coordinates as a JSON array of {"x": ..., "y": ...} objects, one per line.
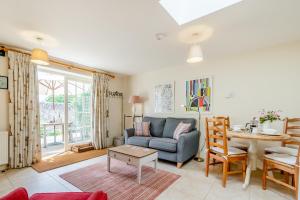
[
  {"x": 65, "y": 109},
  {"x": 77, "y": 111}
]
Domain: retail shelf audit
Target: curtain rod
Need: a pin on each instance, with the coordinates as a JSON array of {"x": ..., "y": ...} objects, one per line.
[{"x": 60, "y": 63}]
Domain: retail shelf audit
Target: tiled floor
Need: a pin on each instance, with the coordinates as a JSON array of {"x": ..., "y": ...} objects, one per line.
[
  {"x": 193, "y": 185},
  {"x": 51, "y": 150}
]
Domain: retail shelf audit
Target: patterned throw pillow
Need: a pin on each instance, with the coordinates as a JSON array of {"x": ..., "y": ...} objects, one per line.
[
  {"x": 181, "y": 128},
  {"x": 142, "y": 129},
  {"x": 138, "y": 127},
  {"x": 146, "y": 129}
]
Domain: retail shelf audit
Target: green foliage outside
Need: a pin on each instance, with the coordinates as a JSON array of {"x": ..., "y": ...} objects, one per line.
[
  {"x": 81, "y": 106},
  {"x": 59, "y": 99}
]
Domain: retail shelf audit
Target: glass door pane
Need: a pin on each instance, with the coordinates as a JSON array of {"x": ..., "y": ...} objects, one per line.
[
  {"x": 52, "y": 112},
  {"x": 79, "y": 111}
]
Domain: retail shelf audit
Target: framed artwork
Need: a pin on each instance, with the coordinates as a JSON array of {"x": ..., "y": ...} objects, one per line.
[
  {"x": 164, "y": 98},
  {"x": 3, "y": 82},
  {"x": 199, "y": 95}
]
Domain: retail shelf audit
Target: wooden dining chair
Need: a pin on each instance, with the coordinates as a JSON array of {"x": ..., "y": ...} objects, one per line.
[
  {"x": 292, "y": 128},
  {"x": 218, "y": 149},
  {"x": 232, "y": 143},
  {"x": 287, "y": 163}
]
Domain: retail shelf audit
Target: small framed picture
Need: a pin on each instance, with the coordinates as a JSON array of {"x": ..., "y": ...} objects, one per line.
[{"x": 4, "y": 82}]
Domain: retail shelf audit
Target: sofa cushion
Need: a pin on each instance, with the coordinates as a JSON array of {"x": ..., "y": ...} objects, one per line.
[
  {"x": 171, "y": 124},
  {"x": 17, "y": 194},
  {"x": 156, "y": 125},
  {"x": 98, "y": 195},
  {"x": 62, "y": 195},
  {"x": 164, "y": 144},
  {"x": 139, "y": 141}
]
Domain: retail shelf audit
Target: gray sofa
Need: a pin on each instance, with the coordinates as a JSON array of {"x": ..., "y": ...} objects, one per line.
[{"x": 161, "y": 130}]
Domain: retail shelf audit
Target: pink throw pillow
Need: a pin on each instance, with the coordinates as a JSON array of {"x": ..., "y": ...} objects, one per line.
[{"x": 181, "y": 128}]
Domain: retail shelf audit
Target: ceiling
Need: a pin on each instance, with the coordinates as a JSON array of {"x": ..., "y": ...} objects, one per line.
[{"x": 119, "y": 36}]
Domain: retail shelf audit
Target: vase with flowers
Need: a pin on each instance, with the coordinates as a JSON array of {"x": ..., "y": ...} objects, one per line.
[{"x": 268, "y": 118}]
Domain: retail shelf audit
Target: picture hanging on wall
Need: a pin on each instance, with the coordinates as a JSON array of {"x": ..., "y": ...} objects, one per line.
[
  {"x": 164, "y": 98},
  {"x": 199, "y": 95},
  {"x": 3, "y": 82}
]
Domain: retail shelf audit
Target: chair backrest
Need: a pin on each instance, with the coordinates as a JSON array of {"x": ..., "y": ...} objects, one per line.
[
  {"x": 226, "y": 118},
  {"x": 298, "y": 158},
  {"x": 292, "y": 128},
  {"x": 216, "y": 134}
]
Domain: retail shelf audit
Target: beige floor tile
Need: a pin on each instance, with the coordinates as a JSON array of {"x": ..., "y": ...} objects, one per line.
[
  {"x": 192, "y": 185},
  {"x": 5, "y": 184},
  {"x": 176, "y": 195}
]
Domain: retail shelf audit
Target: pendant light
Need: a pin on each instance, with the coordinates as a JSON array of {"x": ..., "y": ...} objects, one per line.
[
  {"x": 195, "y": 54},
  {"x": 39, "y": 56}
]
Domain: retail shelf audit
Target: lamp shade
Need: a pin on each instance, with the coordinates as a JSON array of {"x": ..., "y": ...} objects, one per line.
[
  {"x": 135, "y": 99},
  {"x": 40, "y": 57},
  {"x": 195, "y": 54}
]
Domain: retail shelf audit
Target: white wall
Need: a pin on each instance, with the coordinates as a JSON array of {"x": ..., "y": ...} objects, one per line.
[
  {"x": 267, "y": 78},
  {"x": 115, "y": 106}
]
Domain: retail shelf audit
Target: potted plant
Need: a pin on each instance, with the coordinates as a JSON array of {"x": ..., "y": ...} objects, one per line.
[{"x": 267, "y": 118}]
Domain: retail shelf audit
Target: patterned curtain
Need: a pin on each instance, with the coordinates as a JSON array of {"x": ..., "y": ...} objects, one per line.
[
  {"x": 100, "y": 110},
  {"x": 24, "y": 133}
]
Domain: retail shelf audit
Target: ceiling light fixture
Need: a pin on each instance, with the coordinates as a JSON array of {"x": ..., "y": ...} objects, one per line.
[
  {"x": 195, "y": 54},
  {"x": 39, "y": 56}
]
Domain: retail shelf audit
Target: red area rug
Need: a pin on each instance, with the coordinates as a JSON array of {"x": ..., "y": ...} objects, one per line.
[{"x": 121, "y": 183}]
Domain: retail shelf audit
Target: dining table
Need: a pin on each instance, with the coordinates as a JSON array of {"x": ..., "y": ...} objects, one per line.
[
  {"x": 253, "y": 139},
  {"x": 54, "y": 124}
]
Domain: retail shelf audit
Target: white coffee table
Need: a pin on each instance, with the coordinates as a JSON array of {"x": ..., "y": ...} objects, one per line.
[{"x": 133, "y": 155}]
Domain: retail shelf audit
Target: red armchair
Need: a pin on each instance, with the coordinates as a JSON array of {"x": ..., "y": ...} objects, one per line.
[{"x": 21, "y": 194}]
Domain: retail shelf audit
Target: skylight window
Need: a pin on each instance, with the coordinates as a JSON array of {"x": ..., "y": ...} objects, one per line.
[{"x": 184, "y": 11}]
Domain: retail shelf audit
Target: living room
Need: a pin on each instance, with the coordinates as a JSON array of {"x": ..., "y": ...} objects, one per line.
[{"x": 149, "y": 99}]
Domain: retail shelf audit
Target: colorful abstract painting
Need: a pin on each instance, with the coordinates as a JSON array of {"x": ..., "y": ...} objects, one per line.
[{"x": 199, "y": 95}]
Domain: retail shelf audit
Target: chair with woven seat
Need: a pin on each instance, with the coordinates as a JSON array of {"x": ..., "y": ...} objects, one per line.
[
  {"x": 292, "y": 128},
  {"x": 232, "y": 143},
  {"x": 218, "y": 149},
  {"x": 287, "y": 163}
]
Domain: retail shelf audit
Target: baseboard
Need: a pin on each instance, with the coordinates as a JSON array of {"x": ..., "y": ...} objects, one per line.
[{"x": 3, "y": 167}]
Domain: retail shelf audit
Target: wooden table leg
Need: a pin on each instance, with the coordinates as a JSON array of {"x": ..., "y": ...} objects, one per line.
[
  {"x": 63, "y": 132},
  {"x": 252, "y": 162},
  {"x": 54, "y": 134},
  {"x": 108, "y": 163},
  {"x": 139, "y": 173},
  {"x": 45, "y": 137},
  {"x": 155, "y": 164}
]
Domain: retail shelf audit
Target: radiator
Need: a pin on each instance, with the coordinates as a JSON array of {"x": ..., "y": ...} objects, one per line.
[{"x": 3, "y": 148}]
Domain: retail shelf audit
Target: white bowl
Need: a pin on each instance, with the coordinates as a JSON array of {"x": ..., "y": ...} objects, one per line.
[
  {"x": 269, "y": 131},
  {"x": 237, "y": 127}
]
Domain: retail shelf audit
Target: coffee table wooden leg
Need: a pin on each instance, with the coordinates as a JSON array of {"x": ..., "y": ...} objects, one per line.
[
  {"x": 108, "y": 163},
  {"x": 155, "y": 164},
  {"x": 139, "y": 173}
]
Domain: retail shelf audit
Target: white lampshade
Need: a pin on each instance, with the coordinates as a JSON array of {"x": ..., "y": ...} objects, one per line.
[
  {"x": 195, "y": 54},
  {"x": 39, "y": 56}
]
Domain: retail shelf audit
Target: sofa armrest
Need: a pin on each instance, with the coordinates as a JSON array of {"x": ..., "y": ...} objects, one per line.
[
  {"x": 128, "y": 133},
  {"x": 187, "y": 146},
  {"x": 98, "y": 195},
  {"x": 19, "y": 193}
]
